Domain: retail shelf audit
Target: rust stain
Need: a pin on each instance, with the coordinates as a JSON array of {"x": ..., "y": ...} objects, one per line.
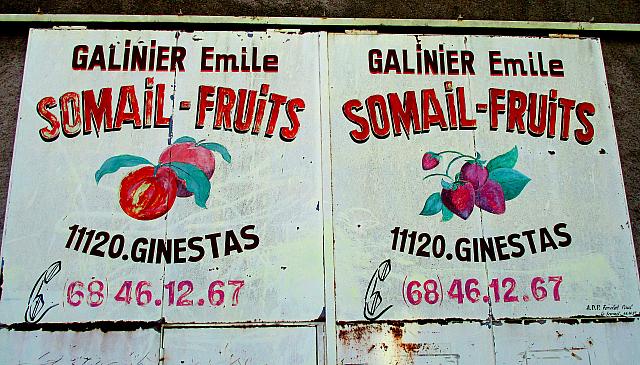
[
  {"x": 396, "y": 331},
  {"x": 410, "y": 347},
  {"x": 343, "y": 335},
  {"x": 357, "y": 333},
  {"x": 376, "y": 337},
  {"x": 360, "y": 332},
  {"x": 371, "y": 348}
]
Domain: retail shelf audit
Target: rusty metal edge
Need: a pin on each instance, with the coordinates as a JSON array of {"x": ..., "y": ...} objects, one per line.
[
  {"x": 119, "y": 326},
  {"x": 495, "y": 321}
]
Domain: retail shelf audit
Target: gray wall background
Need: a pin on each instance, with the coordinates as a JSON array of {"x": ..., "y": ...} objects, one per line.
[{"x": 621, "y": 51}]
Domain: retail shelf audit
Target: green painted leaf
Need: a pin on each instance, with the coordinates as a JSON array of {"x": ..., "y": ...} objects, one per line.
[
  {"x": 433, "y": 205},
  {"x": 446, "y": 214},
  {"x": 196, "y": 181},
  {"x": 446, "y": 185},
  {"x": 115, "y": 163},
  {"x": 507, "y": 160},
  {"x": 216, "y": 147},
  {"x": 512, "y": 181},
  {"x": 184, "y": 139}
]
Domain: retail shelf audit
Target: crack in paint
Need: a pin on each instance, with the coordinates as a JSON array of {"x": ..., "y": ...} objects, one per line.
[
  {"x": 104, "y": 326},
  {"x": 1, "y": 276}
]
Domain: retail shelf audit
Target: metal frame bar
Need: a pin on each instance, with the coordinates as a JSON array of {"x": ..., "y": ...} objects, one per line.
[{"x": 346, "y": 23}]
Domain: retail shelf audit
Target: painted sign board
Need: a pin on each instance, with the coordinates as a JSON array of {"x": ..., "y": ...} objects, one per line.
[
  {"x": 374, "y": 198},
  {"x": 487, "y": 180},
  {"x": 166, "y": 175},
  {"x": 475, "y": 180},
  {"x": 85, "y": 347}
]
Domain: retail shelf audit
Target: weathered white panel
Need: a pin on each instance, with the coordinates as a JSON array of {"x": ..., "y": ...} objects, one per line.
[
  {"x": 140, "y": 347},
  {"x": 579, "y": 185},
  {"x": 544, "y": 231},
  {"x": 250, "y": 345},
  {"x": 411, "y": 343},
  {"x": 560, "y": 343},
  {"x": 246, "y": 247},
  {"x": 523, "y": 213},
  {"x": 53, "y": 188},
  {"x": 378, "y": 186},
  {"x": 273, "y": 185}
]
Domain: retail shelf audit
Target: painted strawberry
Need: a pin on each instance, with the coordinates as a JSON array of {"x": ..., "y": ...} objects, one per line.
[
  {"x": 490, "y": 198},
  {"x": 430, "y": 160},
  {"x": 459, "y": 200},
  {"x": 474, "y": 173}
]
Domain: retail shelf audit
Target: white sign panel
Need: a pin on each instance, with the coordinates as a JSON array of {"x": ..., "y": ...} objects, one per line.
[
  {"x": 563, "y": 343},
  {"x": 257, "y": 345},
  {"x": 166, "y": 174},
  {"x": 476, "y": 176},
  {"x": 140, "y": 347},
  {"x": 245, "y": 192}
]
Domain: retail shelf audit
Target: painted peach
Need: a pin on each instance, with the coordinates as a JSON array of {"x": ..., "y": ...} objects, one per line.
[
  {"x": 191, "y": 153},
  {"x": 147, "y": 194}
]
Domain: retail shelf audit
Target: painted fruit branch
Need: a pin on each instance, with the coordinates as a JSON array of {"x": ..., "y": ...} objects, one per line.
[
  {"x": 478, "y": 184},
  {"x": 184, "y": 169}
]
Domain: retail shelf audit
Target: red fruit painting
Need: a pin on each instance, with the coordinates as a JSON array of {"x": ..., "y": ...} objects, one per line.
[
  {"x": 459, "y": 200},
  {"x": 487, "y": 185},
  {"x": 184, "y": 170},
  {"x": 474, "y": 173},
  {"x": 189, "y": 152},
  {"x": 491, "y": 198},
  {"x": 430, "y": 160},
  {"x": 147, "y": 194}
]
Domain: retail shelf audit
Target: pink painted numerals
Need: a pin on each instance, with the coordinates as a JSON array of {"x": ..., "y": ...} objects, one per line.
[
  {"x": 216, "y": 296},
  {"x": 469, "y": 290},
  {"x": 94, "y": 293},
  {"x": 142, "y": 293},
  {"x": 540, "y": 292},
  {"x": 75, "y": 293},
  {"x": 427, "y": 291}
]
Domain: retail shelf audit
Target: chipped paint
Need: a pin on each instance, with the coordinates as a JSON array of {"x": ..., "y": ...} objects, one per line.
[
  {"x": 382, "y": 205},
  {"x": 423, "y": 309}
]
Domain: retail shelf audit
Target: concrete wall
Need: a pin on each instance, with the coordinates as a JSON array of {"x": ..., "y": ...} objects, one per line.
[
  {"x": 622, "y": 11},
  {"x": 621, "y": 52}
]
